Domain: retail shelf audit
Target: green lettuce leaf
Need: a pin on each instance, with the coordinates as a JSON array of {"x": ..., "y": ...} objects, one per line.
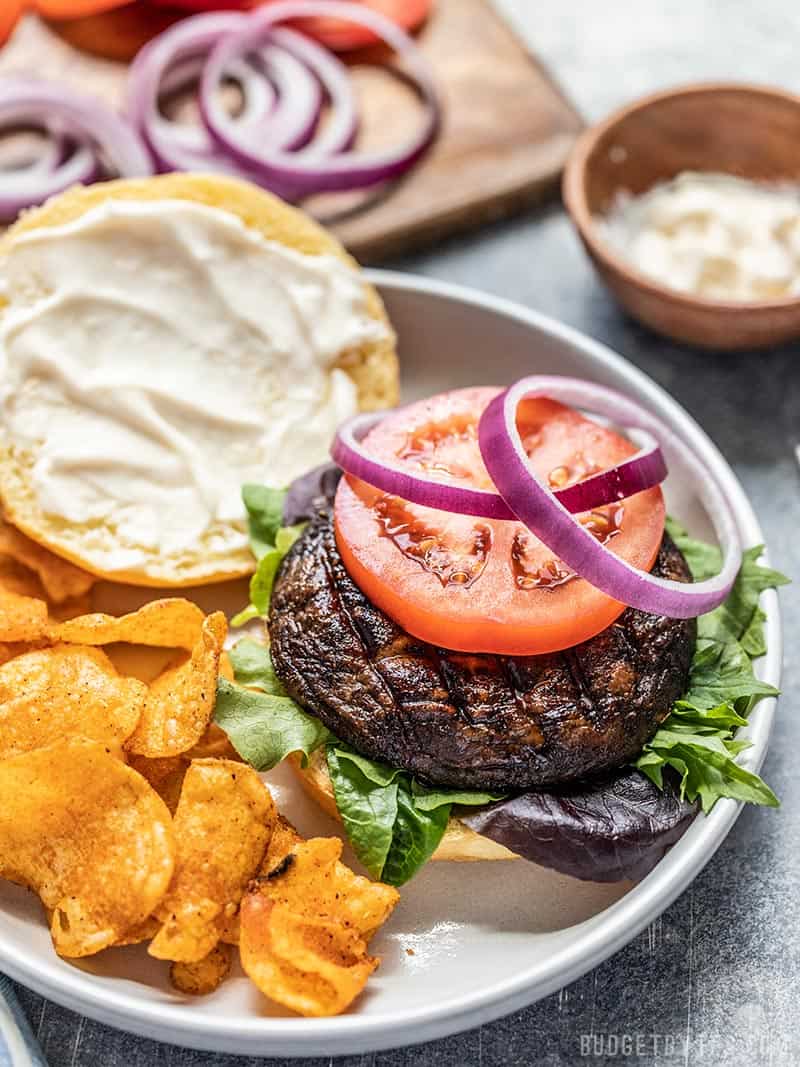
[
  {"x": 393, "y": 822},
  {"x": 426, "y": 799},
  {"x": 707, "y": 766},
  {"x": 265, "y": 514},
  {"x": 754, "y": 639},
  {"x": 725, "y": 677},
  {"x": 704, "y": 560},
  {"x": 269, "y": 541},
  {"x": 698, "y": 739},
  {"x": 415, "y": 838},
  {"x": 380, "y": 774},
  {"x": 701, "y": 720},
  {"x": 740, "y": 614},
  {"x": 265, "y": 728},
  {"x": 368, "y": 808},
  {"x": 261, "y": 582},
  {"x": 252, "y": 665}
]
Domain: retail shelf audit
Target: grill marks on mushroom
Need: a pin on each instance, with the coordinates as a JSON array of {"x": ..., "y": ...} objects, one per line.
[{"x": 471, "y": 720}]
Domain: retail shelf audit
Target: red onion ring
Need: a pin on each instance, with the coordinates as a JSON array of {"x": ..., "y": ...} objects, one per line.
[
  {"x": 20, "y": 189},
  {"x": 259, "y": 99},
  {"x": 298, "y": 96},
  {"x": 49, "y": 154},
  {"x": 342, "y": 125},
  {"x": 537, "y": 507},
  {"x": 306, "y": 172},
  {"x": 174, "y": 147},
  {"x": 95, "y": 129},
  {"x": 289, "y": 66},
  {"x": 88, "y": 121},
  {"x": 641, "y": 471}
]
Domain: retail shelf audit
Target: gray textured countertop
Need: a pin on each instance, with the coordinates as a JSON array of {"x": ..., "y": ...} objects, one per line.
[{"x": 712, "y": 983}]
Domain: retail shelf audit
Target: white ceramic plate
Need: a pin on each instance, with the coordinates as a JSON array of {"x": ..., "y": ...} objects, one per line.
[{"x": 467, "y": 943}]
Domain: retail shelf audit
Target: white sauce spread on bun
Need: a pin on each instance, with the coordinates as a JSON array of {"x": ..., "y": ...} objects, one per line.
[{"x": 156, "y": 355}]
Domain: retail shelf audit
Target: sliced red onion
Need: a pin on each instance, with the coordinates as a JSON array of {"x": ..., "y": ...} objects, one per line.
[
  {"x": 641, "y": 471},
  {"x": 63, "y": 111},
  {"x": 21, "y": 191},
  {"x": 536, "y": 506},
  {"x": 259, "y": 97},
  {"x": 342, "y": 124},
  {"x": 295, "y": 94},
  {"x": 153, "y": 70},
  {"x": 97, "y": 132},
  {"x": 43, "y": 158},
  {"x": 307, "y": 172},
  {"x": 298, "y": 99}
]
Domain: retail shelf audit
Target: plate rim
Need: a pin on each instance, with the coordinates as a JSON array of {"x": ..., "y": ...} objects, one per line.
[{"x": 606, "y": 933}]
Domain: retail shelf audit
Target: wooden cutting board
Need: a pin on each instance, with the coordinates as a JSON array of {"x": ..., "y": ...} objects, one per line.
[{"x": 506, "y": 133}]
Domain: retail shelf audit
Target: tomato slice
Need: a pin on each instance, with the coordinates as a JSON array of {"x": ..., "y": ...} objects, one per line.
[
  {"x": 74, "y": 9},
  {"x": 205, "y": 5},
  {"x": 116, "y": 34},
  {"x": 342, "y": 36},
  {"x": 477, "y": 585},
  {"x": 10, "y": 11}
]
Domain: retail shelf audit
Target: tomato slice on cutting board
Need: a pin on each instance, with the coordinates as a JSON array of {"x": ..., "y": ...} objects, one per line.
[
  {"x": 10, "y": 11},
  {"x": 116, "y": 34},
  {"x": 479, "y": 585},
  {"x": 342, "y": 36},
  {"x": 73, "y": 9}
]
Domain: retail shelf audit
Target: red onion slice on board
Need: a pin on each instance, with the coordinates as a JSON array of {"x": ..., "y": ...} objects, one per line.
[
  {"x": 307, "y": 172},
  {"x": 101, "y": 138}
]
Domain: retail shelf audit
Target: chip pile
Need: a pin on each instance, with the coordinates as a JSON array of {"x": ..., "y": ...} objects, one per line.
[{"x": 131, "y": 816}]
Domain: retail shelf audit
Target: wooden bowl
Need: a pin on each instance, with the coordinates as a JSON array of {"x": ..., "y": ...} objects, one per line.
[{"x": 745, "y": 130}]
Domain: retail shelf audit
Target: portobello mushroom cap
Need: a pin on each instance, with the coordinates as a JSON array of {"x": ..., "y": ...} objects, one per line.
[{"x": 470, "y": 721}]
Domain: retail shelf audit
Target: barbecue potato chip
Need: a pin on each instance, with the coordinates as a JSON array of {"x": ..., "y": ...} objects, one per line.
[
  {"x": 316, "y": 883},
  {"x": 304, "y": 927},
  {"x": 18, "y": 648},
  {"x": 15, "y": 578},
  {"x": 226, "y": 667},
  {"x": 222, "y": 824},
  {"x": 214, "y": 744},
  {"x": 87, "y": 834},
  {"x": 181, "y": 700},
  {"x": 205, "y": 975},
  {"x": 65, "y": 691},
  {"x": 145, "y": 931},
  {"x": 168, "y": 623},
  {"x": 283, "y": 839},
  {"x": 313, "y": 966},
  {"x": 165, "y": 776},
  {"x": 60, "y": 579},
  {"x": 22, "y": 618}
]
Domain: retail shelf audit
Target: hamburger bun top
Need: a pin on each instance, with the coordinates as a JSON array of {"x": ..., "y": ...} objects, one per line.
[{"x": 219, "y": 551}]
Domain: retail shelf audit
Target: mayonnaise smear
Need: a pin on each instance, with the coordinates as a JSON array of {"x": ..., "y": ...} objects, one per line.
[
  {"x": 713, "y": 235},
  {"x": 156, "y": 355}
]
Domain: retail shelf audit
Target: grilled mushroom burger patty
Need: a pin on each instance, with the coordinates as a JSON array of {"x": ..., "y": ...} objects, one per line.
[{"x": 473, "y": 721}]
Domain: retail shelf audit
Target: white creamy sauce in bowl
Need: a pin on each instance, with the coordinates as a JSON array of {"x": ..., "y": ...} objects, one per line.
[
  {"x": 156, "y": 355},
  {"x": 712, "y": 235}
]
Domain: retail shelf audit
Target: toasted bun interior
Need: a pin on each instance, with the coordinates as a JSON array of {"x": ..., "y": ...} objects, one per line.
[
  {"x": 372, "y": 366},
  {"x": 459, "y": 843}
]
